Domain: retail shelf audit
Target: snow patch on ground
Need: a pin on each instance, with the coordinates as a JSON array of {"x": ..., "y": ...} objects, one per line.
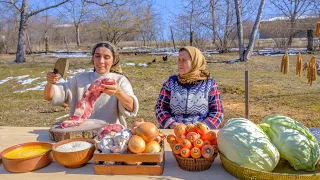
[
  {"x": 143, "y": 64},
  {"x": 28, "y": 81},
  {"x": 130, "y": 64},
  {"x": 6, "y": 80}
]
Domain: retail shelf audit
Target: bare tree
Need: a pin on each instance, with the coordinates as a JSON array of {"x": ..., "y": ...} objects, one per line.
[
  {"x": 213, "y": 4},
  {"x": 245, "y": 54},
  {"x": 77, "y": 10},
  {"x": 146, "y": 21},
  {"x": 293, "y": 10},
  {"x": 25, "y": 14},
  {"x": 116, "y": 23}
]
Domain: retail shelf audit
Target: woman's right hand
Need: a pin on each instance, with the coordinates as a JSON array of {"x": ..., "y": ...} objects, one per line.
[
  {"x": 52, "y": 78},
  {"x": 173, "y": 125}
]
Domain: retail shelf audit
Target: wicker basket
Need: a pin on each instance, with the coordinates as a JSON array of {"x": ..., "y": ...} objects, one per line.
[
  {"x": 191, "y": 164},
  {"x": 283, "y": 171}
]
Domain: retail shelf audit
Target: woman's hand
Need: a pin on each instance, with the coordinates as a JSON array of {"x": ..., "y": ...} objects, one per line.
[
  {"x": 173, "y": 125},
  {"x": 52, "y": 78},
  {"x": 112, "y": 89},
  {"x": 125, "y": 100}
]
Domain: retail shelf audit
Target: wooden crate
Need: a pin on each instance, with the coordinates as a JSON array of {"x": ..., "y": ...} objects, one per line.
[{"x": 152, "y": 164}]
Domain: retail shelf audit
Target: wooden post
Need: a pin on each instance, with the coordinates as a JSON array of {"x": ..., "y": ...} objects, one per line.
[
  {"x": 66, "y": 42},
  {"x": 310, "y": 39},
  {"x": 46, "y": 42},
  {"x": 174, "y": 45},
  {"x": 247, "y": 94},
  {"x": 29, "y": 44}
]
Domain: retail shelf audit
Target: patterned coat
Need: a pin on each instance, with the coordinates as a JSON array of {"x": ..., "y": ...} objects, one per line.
[{"x": 189, "y": 103}]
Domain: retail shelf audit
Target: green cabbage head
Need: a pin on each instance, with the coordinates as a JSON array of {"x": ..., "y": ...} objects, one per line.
[
  {"x": 245, "y": 144},
  {"x": 293, "y": 140}
]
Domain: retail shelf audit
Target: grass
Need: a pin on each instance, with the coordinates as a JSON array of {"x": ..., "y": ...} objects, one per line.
[{"x": 270, "y": 92}]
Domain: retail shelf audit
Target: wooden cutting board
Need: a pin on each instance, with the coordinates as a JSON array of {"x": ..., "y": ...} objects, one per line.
[{"x": 88, "y": 129}]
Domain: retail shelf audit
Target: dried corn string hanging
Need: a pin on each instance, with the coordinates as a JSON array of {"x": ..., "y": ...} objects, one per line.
[
  {"x": 312, "y": 70},
  {"x": 299, "y": 65},
  {"x": 318, "y": 29},
  {"x": 285, "y": 63}
]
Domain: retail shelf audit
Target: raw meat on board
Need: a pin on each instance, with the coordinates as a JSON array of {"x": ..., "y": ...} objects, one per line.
[{"x": 85, "y": 105}]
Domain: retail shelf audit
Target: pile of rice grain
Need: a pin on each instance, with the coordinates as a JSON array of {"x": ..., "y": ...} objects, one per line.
[{"x": 74, "y": 146}]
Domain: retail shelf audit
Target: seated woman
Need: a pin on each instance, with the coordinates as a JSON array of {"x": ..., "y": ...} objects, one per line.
[
  {"x": 114, "y": 104},
  {"x": 192, "y": 96}
]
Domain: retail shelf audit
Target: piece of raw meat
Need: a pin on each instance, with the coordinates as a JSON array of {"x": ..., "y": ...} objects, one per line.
[
  {"x": 85, "y": 105},
  {"x": 109, "y": 128}
]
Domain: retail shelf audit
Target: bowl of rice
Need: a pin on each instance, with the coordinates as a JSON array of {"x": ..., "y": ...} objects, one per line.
[{"x": 73, "y": 153}]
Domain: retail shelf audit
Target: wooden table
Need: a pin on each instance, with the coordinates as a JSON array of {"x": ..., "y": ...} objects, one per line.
[{"x": 10, "y": 136}]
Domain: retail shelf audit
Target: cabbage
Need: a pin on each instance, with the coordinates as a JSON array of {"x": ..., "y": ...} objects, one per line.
[
  {"x": 293, "y": 140},
  {"x": 245, "y": 144}
]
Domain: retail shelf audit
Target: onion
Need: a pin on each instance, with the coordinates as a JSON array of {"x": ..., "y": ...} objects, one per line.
[
  {"x": 134, "y": 125},
  {"x": 148, "y": 131},
  {"x": 152, "y": 147},
  {"x": 136, "y": 144}
]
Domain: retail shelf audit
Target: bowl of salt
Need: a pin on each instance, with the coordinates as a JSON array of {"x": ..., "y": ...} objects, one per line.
[{"x": 73, "y": 153}]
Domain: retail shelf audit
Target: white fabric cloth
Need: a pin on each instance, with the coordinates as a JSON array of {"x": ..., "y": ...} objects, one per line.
[{"x": 106, "y": 108}]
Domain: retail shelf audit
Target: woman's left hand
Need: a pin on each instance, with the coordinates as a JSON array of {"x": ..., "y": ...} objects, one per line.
[{"x": 112, "y": 89}]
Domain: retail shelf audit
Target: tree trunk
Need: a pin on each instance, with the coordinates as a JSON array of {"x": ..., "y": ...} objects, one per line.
[
  {"x": 78, "y": 34},
  {"x": 174, "y": 45},
  {"x": 310, "y": 40},
  {"x": 66, "y": 42},
  {"x": 21, "y": 49},
  {"x": 239, "y": 28},
  {"x": 191, "y": 38},
  {"x": 5, "y": 46},
  {"x": 253, "y": 35},
  {"x": 47, "y": 44},
  {"x": 213, "y": 19},
  {"x": 190, "y": 25},
  {"x": 29, "y": 43},
  {"x": 224, "y": 47}
]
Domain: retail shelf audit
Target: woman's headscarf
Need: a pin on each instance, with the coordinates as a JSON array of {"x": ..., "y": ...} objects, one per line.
[
  {"x": 116, "y": 67},
  {"x": 198, "y": 71}
]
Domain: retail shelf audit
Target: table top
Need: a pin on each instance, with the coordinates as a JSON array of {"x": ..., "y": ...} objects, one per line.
[{"x": 10, "y": 136}]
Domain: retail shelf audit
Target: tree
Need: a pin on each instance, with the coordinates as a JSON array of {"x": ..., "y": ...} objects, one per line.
[
  {"x": 293, "y": 10},
  {"x": 25, "y": 14},
  {"x": 77, "y": 10},
  {"x": 213, "y": 4},
  {"x": 245, "y": 54},
  {"x": 116, "y": 23}
]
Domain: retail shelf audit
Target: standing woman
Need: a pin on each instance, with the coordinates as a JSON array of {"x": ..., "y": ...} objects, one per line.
[
  {"x": 114, "y": 104},
  {"x": 192, "y": 96}
]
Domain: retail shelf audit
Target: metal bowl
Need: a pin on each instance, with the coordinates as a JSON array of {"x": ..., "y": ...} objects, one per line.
[
  {"x": 74, "y": 159},
  {"x": 26, "y": 164}
]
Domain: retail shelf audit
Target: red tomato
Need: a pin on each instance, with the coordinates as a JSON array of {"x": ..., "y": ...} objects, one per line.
[
  {"x": 195, "y": 152},
  {"x": 185, "y": 152},
  {"x": 191, "y": 128},
  {"x": 201, "y": 128},
  {"x": 177, "y": 148},
  {"x": 172, "y": 143},
  {"x": 180, "y": 129},
  {"x": 214, "y": 141},
  {"x": 207, "y": 151},
  {"x": 192, "y": 136},
  {"x": 180, "y": 138},
  {"x": 209, "y": 135},
  {"x": 198, "y": 143},
  {"x": 186, "y": 144},
  {"x": 171, "y": 137},
  {"x": 206, "y": 142}
]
